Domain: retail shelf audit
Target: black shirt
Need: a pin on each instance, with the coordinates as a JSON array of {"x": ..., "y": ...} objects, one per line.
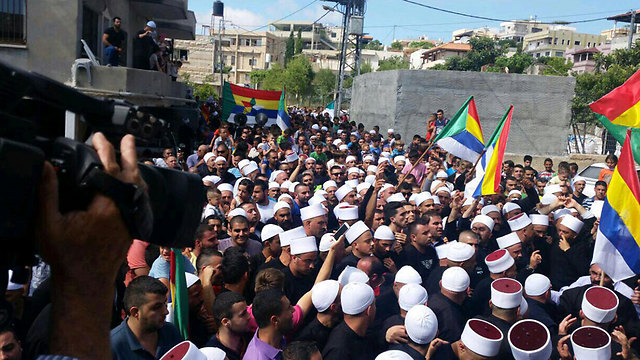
[
  {"x": 422, "y": 263},
  {"x": 451, "y": 319},
  {"x": 315, "y": 331},
  {"x": 344, "y": 343},
  {"x": 115, "y": 38},
  {"x": 231, "y": 355},
  {"x": 295, "y": 287},
  {"x": 479, "y": 302},
  {"x": 142, "y": 50},
  {"x": 273, "y": 264},
  {"x": 405, "y": 348}
]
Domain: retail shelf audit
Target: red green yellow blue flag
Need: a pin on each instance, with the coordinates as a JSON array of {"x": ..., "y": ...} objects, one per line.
[
  {"x": 242, "y": 100},
  {"x": 462, "y": 136},
  {"x": 622, "y": 105}
]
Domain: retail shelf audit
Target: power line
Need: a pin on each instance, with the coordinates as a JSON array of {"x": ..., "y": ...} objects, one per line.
[{"x": 284, "y": 17}]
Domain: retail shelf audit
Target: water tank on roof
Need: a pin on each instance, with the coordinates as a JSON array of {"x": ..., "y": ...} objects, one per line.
[{"x": 218, "y": 8}]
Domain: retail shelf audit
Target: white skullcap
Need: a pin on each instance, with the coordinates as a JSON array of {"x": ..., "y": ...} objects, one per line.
[
  {"x": 443, "y": 189},
  {"x": 212, "y": 179},
  {"x": 285, "y": 196},
  {"x": 340, "y": 131},
  {"x": 484, "y": 220},
  {"x": 290, "y": 235},
  {"x": 372, "y": 132},
  {"x": 371, "y": 168},
  {"x": 275, "y": 174},
  {"x": 351, "y": 274},
  {"x": 316, "y": 200},
  {"x": 499, "y": 261},
  {"x": 399, "y": 158},
  {"x": 274, "y": 185},
  {"x": 350, "y": 158},
  {"x": 325, "y": 242},
  {"x": 364, "y": 186},
  {"x": 519, "y": 222},
  {"x": 269, "y": 231},
  {"x": 324, "y": 128},
  {"x": 560, "y": 213},
  {"x": 578, "y": 178},
  {"x": 213, "y": 353},
  {"x": 311, "y": 211},
  {"x": 413, "y": 197},
  {"x": 356, "y": 298},
  {"x": 320, "y": 193},
  {"x": 329, "y": 184},
  {"x": 514, "y": 192},
  {"x": 337, "y": 142},
  {"x": 506, "y": 293},
  {"x": 383, "y": 159},
  {"x": 508, "y": 240},
  {"x": 225, "y": 187},
  {"x": 315, "y": 127},
  {"x": 385, "y": 154},
  {"x": 436, "y": 200},
  {"x": 599, "y": 304},
  {"x": 441, "y": 174},
  {"x": 509, "y": 207},
  {"x": 420, "y": 323},
  {"x": 324, "y": 293},
  {"x": 384, "y": 187},
  {"x": 343, "y": 147},
  {"x": 346, "y": 212},
  {"x": 489, "y": 209},
  {"x": 383, "y": 232},
  {"x": 286, "y": 185},
  {"x": 237, "y": 212},
  {"x": 352, "y": 170},
  {"x": 220, "y": 158},
  {"x": 407, "y": 275},
  {"x": 548, "y": 199},
  {"x": 281, "y": 205},
  {"x": 393, "y": 354},
  {"x": 343, "y": 191},
  {"x": 536, "y": 285},
  {"x": 591, "y": 343},
  {"x": 251, "y": 167},
  {"x": 292, "y": 186},
  {"x": 310, "y": 159},
  {"x": 537, "y": 219},
  {"x": 443, "y": 250},
  {"x": 356, "y": 230},
  {"x": 411, "y": 295},
  {"x": 390, "y": 131},
  {"x": 397, "y": 197},
  {"x": 551, "y": 189},
  {"x": 208, "y": 156},
  {"x": 369, "y": 158},
  {"x": 291, "y": 158},
  {"x": 572, "y": 223},
  {"x": 530, "y": 340},
  {"x": 455, "y": 279},
  {"x": 459, "y": 252},
  {"x": 482, "y": 337},
  {"x": 242, "y": 163},
  {"x": 303, "y": 245},
  {"x": 421, "y": 197},
  {"x": 353, "y": 183}
]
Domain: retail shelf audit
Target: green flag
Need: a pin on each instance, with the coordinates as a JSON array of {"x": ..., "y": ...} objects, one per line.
[
  {"x": 179, "y": 293},
  {"x": 619, "y": 132}
]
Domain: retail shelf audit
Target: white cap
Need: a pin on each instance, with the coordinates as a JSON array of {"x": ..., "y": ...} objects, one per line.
[
  {"x": 337, "y": 142},
  {"x": 382, "y": 159},
  {"x": 482, "y": 337},
  {"x": 443, "y": 250},
  {"x": 420, "y": 323},
  {"x": 316, "y": 200},
  {"x": 351, "y": 274},
  {"x": 212, "y": 179},
  {"x": 441, "y": 174},
  {"x": 530, "y": 340},
  {"x": 151, "y": 24},
  {"x": 281, "y": 205},
  {"x": 324, "y": 293},
  {"x": 311, "y": 211},
  {"x": 600, "y": 304},
  {"x": 383, "y": 232},
  {"x": 242, "y": 163},
  {"x": 536, "y": 285},
  {"x": 506, "y": 293},
  {"x": 499, "y": 261},
  {"x": 315, "y": 127},
  {"x": 237, "y": 212},
  {"x": 269, "y": 231},
  {"x": 390, "y": 131},
  {"x": 591, "y": 343},
  {"x": 324, "y": 128},
  {"x": 383, "y": 188},
  {"x": 251, "y": 167},
  {"x": 572, "y": 223},
  {"x": 489, "y": 209},
  {"x": 554, "y": 188},
  {"x": 514, "y": 192},
  {"x": 353, "y": 183},
  {"x": 537, "y": 219},
  {"x": 364, "y": 186},
  {"x": 455, "y": 279},
  {"x": 371, "y": 168},
  {"x": 369, "y": 158},
  {"x": 291, "y": 158},
  {"x": 509, "y": 207},
  {"x": 421, "y": 197},
  {"x": 340, "y": 131},
  {"x": 356, "y": 230},
  {"x": 407, "y": 275},
  {"x": 185, "y": 349},
  {"x": 287, "y": 236},
  {"x": 548, "y": 199},
  {"x": 346, "y": 212},
  {"x": 458, "y": 252},
  {"x": 411, "y": 295},
  {"x": 519, "y": 222},
  {"x": 356, "y": 297},
  {"x": 397, "y": 197},
  {"x": 343, "y": 191},
  {"x": 286, "y": 185},
  {"x": 292, "y": 186},
  {"x": 190, "y": 279},
  {"x": 436, "y": 200},
  {"x": 484, "y": 220},
  {"x": 310, "y": 159},
  {"x": 275, "y": 174},
  {"x": 560, "y": 213},
  {"x": 329, "y": 184},
  {"x": 225, "y": 187},
  {"x": 320, "y": 193},
  {"x": 325, "y": 242},
  {"x": 285, "y": 196},
  {"x": 303, "y": 245},
  {"x": 350, "y": 158},
  {"x": 213, "y": 353},
  {"x": 343, "y": 147},
  {"x": 399, "y": 158},
  {"x": 393, "y": 354},
  {"x": 578, "y": 178},
  {"x": 274, "y": 185},
  {"x": 443, "y": 189},
  {"x": 508, "y": 240}
]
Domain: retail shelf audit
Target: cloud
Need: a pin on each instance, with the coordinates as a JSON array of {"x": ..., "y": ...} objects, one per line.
[{"x": 233, "y": 18}]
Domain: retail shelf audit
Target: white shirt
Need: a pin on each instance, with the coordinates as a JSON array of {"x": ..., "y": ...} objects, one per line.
[{"x": 266, "y": 211}]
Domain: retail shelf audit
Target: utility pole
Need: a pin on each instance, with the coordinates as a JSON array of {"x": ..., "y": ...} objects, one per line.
[{"x": 632, "y": 29}]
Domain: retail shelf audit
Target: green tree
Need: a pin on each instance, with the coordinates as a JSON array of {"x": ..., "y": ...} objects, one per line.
[
  {"x": 557, "y": 66},
  {"x": 374, "y": 45},
  {"x": 516, "y": 64},
  {"x": 257, "y": 77},
  {"x": 365, "y": 68},
  {"x": 204, "y": 90},
  {"x": 274, "y": 78},
  {"x": 393, "y": 63},
  {"x": 396, "y": 45},
  {"x": 324, "y": 83},
  {"x": 299, "y": 43},
  {"x": 289, "y": 48},
  {"x": 421, "y": 44},
  {"x": 298, "y": 76},
  {"x": 484, "y": 51}
]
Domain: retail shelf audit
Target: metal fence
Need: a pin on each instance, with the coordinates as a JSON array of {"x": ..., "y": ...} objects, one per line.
[
  {"x": 13, "y": 22},
  {"x": 600, "y": 142}
]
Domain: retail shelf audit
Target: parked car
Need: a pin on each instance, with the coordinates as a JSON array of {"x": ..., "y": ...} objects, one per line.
[{"x": 591, "y": 174}]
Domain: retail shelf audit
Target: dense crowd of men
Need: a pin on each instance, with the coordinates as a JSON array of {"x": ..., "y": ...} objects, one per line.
[{"x": 328, "y": 240}]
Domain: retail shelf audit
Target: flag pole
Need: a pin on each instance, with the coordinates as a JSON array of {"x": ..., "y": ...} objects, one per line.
[
  {"x": 476, "y": 164},
  {"x": 602, "y": 275},
  {"x": 414, "y": 165}
]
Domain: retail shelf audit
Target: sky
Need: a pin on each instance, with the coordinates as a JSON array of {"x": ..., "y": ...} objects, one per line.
[{"x": 386, "y": 20}]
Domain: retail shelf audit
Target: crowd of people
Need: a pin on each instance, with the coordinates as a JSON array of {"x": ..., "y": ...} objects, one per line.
[{"x": 328, "y": 240}]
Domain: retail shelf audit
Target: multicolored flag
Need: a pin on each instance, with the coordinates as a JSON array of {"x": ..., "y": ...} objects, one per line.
[
  {"x": 489, "y": 169},
  {"x": 462, "y": 136},
  {"x": 283, "y": 117},
  {"x": 622, "y": 105},
  {"x": 617, "y": 248},
  {"x": 331, "y": 109},
  {"x": 179, "y": 294},
  {"x": 241, "y": 100}
]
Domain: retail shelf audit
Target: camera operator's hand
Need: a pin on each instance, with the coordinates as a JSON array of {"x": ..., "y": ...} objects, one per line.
[{"x": 85, "y": 249}]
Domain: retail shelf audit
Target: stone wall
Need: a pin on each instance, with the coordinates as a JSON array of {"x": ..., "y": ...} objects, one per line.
[{"x": 403, "y": 99}]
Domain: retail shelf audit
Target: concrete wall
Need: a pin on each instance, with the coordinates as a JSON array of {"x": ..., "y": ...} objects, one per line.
[{"x": 403, "y": 99}]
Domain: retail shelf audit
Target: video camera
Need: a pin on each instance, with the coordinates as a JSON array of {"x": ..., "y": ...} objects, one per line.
[{"x": 32, "y": 112}]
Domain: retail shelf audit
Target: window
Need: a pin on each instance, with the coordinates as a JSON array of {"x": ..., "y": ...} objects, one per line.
[
  {"x": 559, "y": 53},
  {"x": 252, "y": 62},
  {"x": 233, "y": 41},
  {"x": 246, "y": 42},
  {"x": 576, "y": 43},
  {"x": 13, "y": 22},
  {"x": 183, "y": 54},
  {"x": 256, "y": 42},
  {"x": 555, "y": 41},
  {"x": 547, "y": 53},
  {"x": 334, "y": 35},
  {"x": 233, "y": 60},
  {"x": 562, "y": 41}
]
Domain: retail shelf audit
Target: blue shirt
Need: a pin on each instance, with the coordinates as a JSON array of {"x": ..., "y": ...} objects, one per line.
[
  {"x": 125, "y": 345},
  {"x": 162, "y": 268}
]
